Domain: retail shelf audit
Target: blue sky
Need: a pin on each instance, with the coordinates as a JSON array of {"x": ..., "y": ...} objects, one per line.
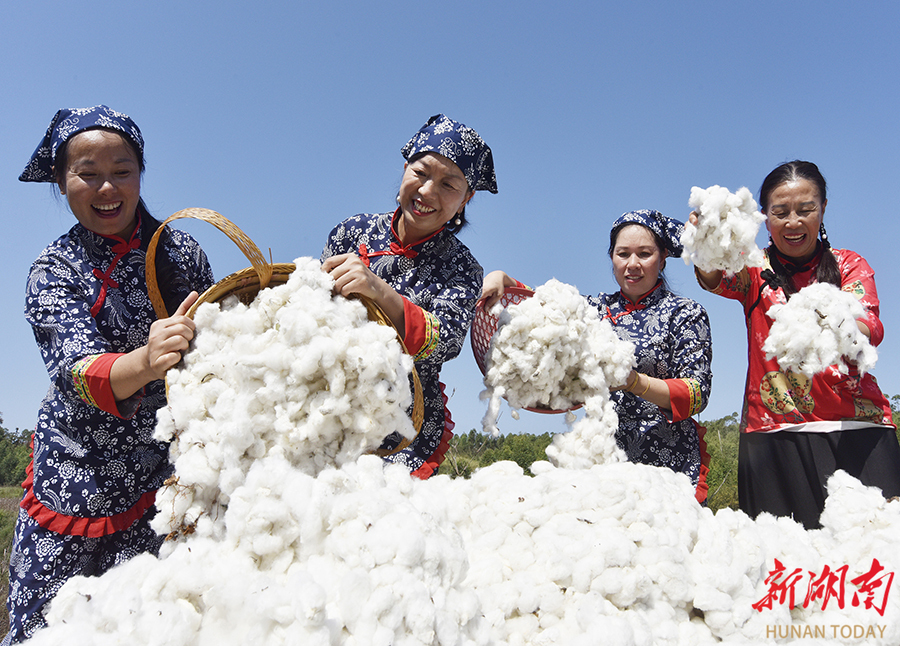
[{"x": 288, "y": 117}]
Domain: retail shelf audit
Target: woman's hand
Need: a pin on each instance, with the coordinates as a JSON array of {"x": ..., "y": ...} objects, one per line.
[
  {"x": 495, "y": 283},
  {"x": 630, "y": 382},
  {"x": 708, "y": 279},
  {"x": 168, "y": 339},
  {"x": 651, "y": 389},
  {"x": 351, "y": 276}
]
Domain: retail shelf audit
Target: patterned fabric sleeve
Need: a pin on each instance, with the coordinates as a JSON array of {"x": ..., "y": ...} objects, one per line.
[
  {"x": 339, "y": 241},
  {"x": 738, "y": 286},
  {"x": 448, "y": 318},
  {"x": 691, "y": 358},
  {"x": 60, "y": 315},
  {"x": 858, "y": 278}
]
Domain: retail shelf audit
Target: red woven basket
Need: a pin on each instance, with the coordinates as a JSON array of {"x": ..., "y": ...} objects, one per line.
[{"x": 485, "y": 325}]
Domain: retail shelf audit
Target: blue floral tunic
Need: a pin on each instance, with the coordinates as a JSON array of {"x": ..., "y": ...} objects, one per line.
[
  {"x": 673, "y": 342},
  {"x": 440, "y": 281},
  {"x": 96, "y": 466}
]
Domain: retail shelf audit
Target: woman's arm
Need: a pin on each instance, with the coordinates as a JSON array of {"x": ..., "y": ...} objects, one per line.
[
  {"x": 687, "y": 387},
  {"x": 858, "y": 278},
  {"x": 655, "y": 391}
]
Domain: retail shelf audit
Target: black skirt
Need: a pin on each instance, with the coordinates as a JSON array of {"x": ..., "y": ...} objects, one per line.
[{"x": 784, "y": 473}]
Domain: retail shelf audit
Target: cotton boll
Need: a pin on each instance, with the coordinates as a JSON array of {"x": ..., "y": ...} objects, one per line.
[
  {"x": 725, "y": 235},
  {"x": 816, "y": 329}
]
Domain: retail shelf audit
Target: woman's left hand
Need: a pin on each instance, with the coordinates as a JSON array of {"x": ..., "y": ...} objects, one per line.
[
  {"x": 630, "y": 382},
  {"x": 493, "y": 287}
]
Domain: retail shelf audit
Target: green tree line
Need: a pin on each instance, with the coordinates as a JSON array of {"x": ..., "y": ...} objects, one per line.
[{"x": 15, "y": 454}]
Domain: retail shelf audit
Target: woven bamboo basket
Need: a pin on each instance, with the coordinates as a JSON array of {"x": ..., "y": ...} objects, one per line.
[{"x": 247, "y": 283}]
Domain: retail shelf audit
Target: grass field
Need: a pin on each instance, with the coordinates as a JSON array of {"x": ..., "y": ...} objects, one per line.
[{"x": 9, "y": 504}]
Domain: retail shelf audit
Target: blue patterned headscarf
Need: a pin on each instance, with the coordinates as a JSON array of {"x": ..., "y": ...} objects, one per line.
[
  {"x": 666, "y": 229},
  {"x": 69, "y": 122},
  {"x": 461, "y": 145}
]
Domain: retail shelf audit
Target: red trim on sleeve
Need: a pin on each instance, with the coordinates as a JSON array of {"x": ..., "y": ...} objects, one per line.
[
  {"x": 434, "y": 461},
  {"x": 97, "y": 382},
  {"x": 680, "y": 399},
  {"x": 416, "y": 328}
]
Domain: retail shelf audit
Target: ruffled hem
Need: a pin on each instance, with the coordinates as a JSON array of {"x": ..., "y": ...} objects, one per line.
[
  {"x": 432, "y": 463},
  {"x": 76, "y": 525}
]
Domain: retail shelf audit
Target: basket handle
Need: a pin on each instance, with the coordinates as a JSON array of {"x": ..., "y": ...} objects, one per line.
[{"x": 223, "y": 224}]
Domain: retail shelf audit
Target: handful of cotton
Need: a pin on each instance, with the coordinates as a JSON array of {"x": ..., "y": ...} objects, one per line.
[
  {"x": 299, "y": 373},
  {"x": 725, "y": 235},
  {"x": 817, "y": 328},
  {"x": 552, "y": 351}
]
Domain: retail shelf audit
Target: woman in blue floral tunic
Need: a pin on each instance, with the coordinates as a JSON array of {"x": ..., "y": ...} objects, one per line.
[
  {"x": 90, "y": 488},
  {"x": 673, "y": 347},
  {"x": 412, "y": 264}
]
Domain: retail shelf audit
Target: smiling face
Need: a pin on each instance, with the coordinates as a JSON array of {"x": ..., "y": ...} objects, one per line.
[
  {"x": 433, "y": 190},
  {"x": 793, "y": 217},
  {"x": 102, "y": 182},
  {"x": 637, "y": 260}
]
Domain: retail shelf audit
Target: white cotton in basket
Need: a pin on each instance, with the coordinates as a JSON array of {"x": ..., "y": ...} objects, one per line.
[
  {"x": 299, "y": 369},
  {"x": 725, "y": 235},
  {"x": 552, "y": 351}
]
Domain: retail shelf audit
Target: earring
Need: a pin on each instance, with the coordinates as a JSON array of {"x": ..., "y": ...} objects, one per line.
[
  {"x": 398, "y": 198},
  {"x": 457, "y": 221},
  {"x": 824, "y": 235}
]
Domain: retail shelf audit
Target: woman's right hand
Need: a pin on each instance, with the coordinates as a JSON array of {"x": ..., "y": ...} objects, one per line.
[
  {"x": 352, "y": 276},
  {"x": 167, "y": 340},
  {"x": 495, "y": 283},
  {"x": 170, "y": 337}
]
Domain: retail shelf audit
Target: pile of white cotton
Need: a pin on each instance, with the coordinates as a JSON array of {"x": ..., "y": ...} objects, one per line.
[
  {"x": 553, "y": 351},
  {"x": 327, "y": 554},
  {"x": 817, "y": 328},
  {"x": 618, "y": 554},
  {"x": 298, "y": 373},
  {"x": 725, "y": 235}
]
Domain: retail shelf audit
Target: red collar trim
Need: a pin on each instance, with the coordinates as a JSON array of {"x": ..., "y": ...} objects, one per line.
[
  {"x": 396, "y": 248},
  {"x": 630, "y": 305}
]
